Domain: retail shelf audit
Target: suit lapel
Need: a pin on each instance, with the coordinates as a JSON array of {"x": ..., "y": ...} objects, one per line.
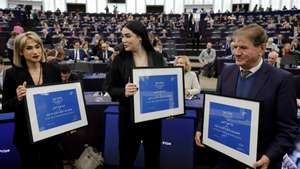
[
  {"x": 262, "y": 76},
  {"x": 233, "y": 78}
]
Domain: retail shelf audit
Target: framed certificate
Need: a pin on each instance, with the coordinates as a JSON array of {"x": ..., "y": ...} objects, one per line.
[
  {"x": 230, "y": 126},
  {"x": 160, "y": 93},
  {"x": 55, "y": 109}
]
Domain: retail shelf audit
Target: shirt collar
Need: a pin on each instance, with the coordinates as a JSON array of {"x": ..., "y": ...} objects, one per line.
[{"x": 255, "y": 68}]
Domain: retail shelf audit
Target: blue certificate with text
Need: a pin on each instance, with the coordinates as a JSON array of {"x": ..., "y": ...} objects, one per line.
[
  {"x": 57, "y": 108},
  {"x": 230, "y": 126},
  {"x": 157, "y": 93}
]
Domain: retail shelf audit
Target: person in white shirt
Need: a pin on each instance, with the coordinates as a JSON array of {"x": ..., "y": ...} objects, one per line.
[{"x": 191, "y": 83}]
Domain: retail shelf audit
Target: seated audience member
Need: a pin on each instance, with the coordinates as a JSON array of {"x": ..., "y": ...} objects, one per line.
[
  {"x": 191, "y": 83},
  {"x": 78, "y": 53},
  {"x": 295, "y": 46},
  {"x": 112, "y": 38},
  {"x": 55, "y": 55},
  {"x": 273, "y": 59},
  {"x": 97, "y": 47},
  {"x": 10, "y": 45},
  {"x": 18, "y": 28},
  {"x": 86, "y": 48},
  {"x": 66, "y": 75},
  {"x": 158, "y": 47},
  {"x": 207, "y": 59},
  {"x": 286, "y": 50},
  {"x": 96, "y": 39},
  {"x": 104, "y": 54},
  {"x": 271, "y": 46},
  {"x": 47, "y": 38}
]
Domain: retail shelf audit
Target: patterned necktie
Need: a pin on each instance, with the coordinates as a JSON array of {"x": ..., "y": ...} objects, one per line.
[{"x": 245, "y": 73}]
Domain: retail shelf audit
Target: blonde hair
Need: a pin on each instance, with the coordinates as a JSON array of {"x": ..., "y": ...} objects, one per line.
[
  {"x": 187, "y": 63},
  {"x": 20, "y": 43}
]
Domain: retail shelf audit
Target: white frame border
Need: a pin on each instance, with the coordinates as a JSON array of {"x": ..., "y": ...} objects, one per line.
[
  {"x": 32, "y": 115},
  {"x": 138, "y": 116},
  {"x": 254, "y": 107}
]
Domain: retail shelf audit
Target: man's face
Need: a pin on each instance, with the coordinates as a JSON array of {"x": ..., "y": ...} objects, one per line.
[
  {"x": 272, "y": 58},
  {"x": 209, "y": 45},
  {"x": 104, "y": 47},
  {"x": 77, "y": 45},
  {"x": 246, "y": 54},
  {"x": 65, "y": 76}
]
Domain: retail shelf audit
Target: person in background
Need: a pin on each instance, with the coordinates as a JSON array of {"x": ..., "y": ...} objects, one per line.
[
  {"x": 227, "y": 46},
  {"x": 137, "y": 52},
  {"x": 86, "y": 48},
  {"x": 207, "y": 59},
  {"x": 30, "y": 70},
  {"x": 253, "y": 79},
  {"x": 55, "y": 55},
  {"x": 191, "y": 83},
  {"x": 18, "y": 28},
  {"x": 66, "y": 75},
  {"x": 78, "y": 53},
  {"x": 10, "y": 45},
  {"x": 273, "y": 58},
  {"x": 271, "y": 46},
  {"x": 158, "y": 47},
  {"x": 47, "y": 38},
  {"x": 104, "y": 54}
]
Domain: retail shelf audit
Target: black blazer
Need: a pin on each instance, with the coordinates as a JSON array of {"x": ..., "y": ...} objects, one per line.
[
  {"x": 278, "y": 115},
  {"x": 14, "y": 77},
  {"x": 118, "y": 77}
]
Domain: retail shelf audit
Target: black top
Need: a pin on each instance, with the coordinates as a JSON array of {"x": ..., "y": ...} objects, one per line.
[
  {"x": 118, "y": 76},
  {"x": 14, "y": 77}
]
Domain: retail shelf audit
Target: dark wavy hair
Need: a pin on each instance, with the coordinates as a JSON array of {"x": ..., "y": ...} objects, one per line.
[{"x": 139, "y": 29}]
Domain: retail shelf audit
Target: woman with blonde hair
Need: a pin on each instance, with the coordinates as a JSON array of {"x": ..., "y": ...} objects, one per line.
[
  {"x": 191, "y": 83},
  {"x": 30, "y": 70}
]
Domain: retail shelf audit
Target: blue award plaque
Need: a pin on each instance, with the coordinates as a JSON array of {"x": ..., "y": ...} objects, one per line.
[
  {"x": 55, "y": 109},
  {"x": 230, "y": 126},
  {"x": 160, "y": 93}
]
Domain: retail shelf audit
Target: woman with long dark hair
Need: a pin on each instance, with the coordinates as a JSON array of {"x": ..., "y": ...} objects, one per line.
[{"x": 137, "y": 52}]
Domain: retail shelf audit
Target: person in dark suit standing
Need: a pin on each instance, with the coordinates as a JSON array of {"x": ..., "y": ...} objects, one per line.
[
  {"x": 254, "y": 79},
  {"x": 137, "y": 52},
  {"x": 30, "y": 70},
  {"x": 78, "y": 53}
]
